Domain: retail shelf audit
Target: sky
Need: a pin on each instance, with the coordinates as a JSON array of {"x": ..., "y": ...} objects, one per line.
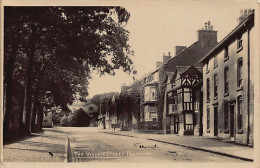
[{"x": 156, "y": 27}]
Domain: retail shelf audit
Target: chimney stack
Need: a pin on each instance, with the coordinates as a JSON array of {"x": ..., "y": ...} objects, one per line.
[
  {"x": 178, "y": 49},
  {"x": 166, "y": 57},
  {"x": 244, "y": 14},
  {"x": 207, "y": 36}
]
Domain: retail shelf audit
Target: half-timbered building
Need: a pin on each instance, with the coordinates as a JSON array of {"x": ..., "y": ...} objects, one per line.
[{"x": 183, "y": 100}]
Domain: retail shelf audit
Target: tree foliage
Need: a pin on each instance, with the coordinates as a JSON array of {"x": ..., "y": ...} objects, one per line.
[{"x": 55, "y": 48}]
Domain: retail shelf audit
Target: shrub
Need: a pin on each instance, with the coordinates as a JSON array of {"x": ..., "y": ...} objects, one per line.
[{"x": 80, "y": 119}]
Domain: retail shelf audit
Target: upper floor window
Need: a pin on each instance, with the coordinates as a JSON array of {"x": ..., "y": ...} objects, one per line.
[
  {"x": 215, "y": 60},
  {"x": 226, "y": 80},
  {"x": 239, "y": 44},
  {"x": 207, "y": 66},
  {"x": 187, "y": 94},
  {"x": 208, "y": 87},
  {"x": 150, "y": 93},
  {"x": 215, "y": 85},
  {"x": 239, "y": 72},
  {"x": 226, "y": 53}
]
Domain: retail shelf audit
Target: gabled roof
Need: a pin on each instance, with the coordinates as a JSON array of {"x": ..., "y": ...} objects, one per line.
[
  {"x": 242, "y": 27},
  {"x": 189, "y": 56},
  {"x": 183, "y": 70},
  {"x": 193, "y": 70}
]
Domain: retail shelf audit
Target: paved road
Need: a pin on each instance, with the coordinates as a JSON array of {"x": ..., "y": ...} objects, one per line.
[{"x": 92, "y": 145}]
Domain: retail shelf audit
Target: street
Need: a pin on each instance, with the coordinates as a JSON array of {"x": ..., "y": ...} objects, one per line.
[
  {"x": 90, "y": 144},
  {"x": 93, "y": 145}
]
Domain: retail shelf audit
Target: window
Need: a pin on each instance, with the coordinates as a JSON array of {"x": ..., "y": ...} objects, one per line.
[
  {"x": 239, "y": 44},
  {"x": 150, "y": 93},
  {"x": 179, "y": 92},
  {"x": 150, "y": 113},
  {"x": 226, "y": 53},
  {"x": 207, "y": 67},
  {"x": 172, "y": 101},
  {"x": 153, "y": 116},
  {"x": 239, "y": 72},
  {"x": 208, "y": 92},
  {"x": 215, "y": 85},
  {"x": 215, "y": 60},
  {"x": 91, "y": 108},
  {"x": 226, "y": 78},
  {"x": 240, "y": 113},
  {"x": 226, "y": 115},
  {"x": 187, "y": 95},
  {"x": 208, "y": 118}
]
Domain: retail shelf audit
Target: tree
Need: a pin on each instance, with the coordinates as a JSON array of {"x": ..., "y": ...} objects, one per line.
[
  {"x": 58, "y": 47},
  {"x": 80, "y": 118}
]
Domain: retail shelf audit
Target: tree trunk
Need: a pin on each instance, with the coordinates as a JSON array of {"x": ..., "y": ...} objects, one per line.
[
  {"x": 28, "y": 92},
  {"x": 8, "y": 91},
  {"x": 35, "y": 111}
]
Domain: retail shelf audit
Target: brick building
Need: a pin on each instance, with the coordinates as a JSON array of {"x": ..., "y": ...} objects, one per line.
[{"x": 228, "y": 85}]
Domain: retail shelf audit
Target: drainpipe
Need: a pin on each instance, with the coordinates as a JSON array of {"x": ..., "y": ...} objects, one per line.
[{"x": 248, "y": 92}]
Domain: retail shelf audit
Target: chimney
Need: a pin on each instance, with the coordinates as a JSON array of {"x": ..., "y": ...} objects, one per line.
[
  {"x": 158, "y": 64},
  {"x": 207, "y": 36},
  {"x": 166, "y": 57},
  {"x": 178, "y": 49},
  {"x": 244, "y": 14}
]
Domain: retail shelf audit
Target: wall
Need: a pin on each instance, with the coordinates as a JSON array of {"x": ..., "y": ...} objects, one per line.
[{"x": 234, "y": 91}]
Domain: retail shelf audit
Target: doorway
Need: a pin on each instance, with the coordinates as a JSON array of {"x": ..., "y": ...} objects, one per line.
[
  {"x": 232, "y": 111},
  {"x": 176, "y": 125},
  {"x": 215, "y": 120}
]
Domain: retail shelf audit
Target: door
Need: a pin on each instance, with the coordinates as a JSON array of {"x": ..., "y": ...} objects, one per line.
[
  {"x": 176, "y": 125},
  {"x": 215, "y": 120},
  {"x": 232, "y": 109}
]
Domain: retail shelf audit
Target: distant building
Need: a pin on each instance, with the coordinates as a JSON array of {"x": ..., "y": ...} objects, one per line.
[
  {"x": 47, "y": 118},
  {"x": 228, "y": 84},
  {"x": 90, "y": 108}
]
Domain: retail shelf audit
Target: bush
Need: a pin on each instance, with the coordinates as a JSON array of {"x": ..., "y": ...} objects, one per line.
[
  {"x": 80, "y": 119},
  {"x": 64, "y": 121}
]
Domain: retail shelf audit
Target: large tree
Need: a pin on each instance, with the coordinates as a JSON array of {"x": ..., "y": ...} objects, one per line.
[{"x": 55, "y": 48}]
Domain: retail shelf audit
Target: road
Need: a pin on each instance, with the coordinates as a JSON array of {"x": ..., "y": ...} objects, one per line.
[{"x": 93, "y": 145}]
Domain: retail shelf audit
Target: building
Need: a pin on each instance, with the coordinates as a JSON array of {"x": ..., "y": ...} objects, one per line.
[
  {"x": 149, "y": 112},
  {"x": 228, "y": 84},
  {"x": 184, "y": 100},
  {"x": 47, "y": 118},
  {"x": 90, "y": 109},
  {"x": 186, "y": 57}
]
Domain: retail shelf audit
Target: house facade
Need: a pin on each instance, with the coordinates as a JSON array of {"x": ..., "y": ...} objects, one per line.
[
  {"x": 184, "y": 100},
  {"x": 150, "y": 119},
  {"x": 228, "y": 85},
  {"x": 184, "y": 58}
]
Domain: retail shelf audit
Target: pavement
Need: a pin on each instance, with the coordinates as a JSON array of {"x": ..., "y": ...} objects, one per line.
[
  {"x": 46, "y": 146},
  {"x": 211, "y": 145}
]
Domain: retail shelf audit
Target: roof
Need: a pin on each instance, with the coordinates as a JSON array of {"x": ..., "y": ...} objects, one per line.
[
  {"x": 230, "y": 37},
  {"x": 189, "y": 56}
]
